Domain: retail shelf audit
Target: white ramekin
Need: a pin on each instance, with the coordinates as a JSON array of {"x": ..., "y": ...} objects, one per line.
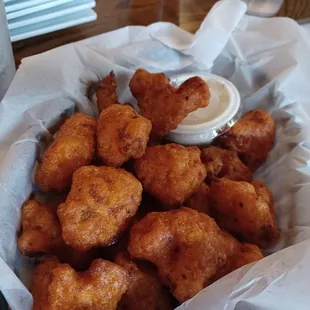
[{"x": 203, "y": 125}]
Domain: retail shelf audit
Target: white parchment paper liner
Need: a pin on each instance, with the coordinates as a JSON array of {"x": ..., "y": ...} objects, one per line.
[{"x": 267, "y": 59}]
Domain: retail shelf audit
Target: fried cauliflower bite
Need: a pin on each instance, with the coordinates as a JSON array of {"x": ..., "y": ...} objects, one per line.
[
  {"x": 99, "y": 206},
  {"x": 245, "y": 254},
  {"x": 106, "y": 92},
  {"x": 121, "y": 135},
  {"x": 73, "y": 148},
  {"x": 164, "y": 105},
  {"x": 187, "y": 247},
  {"x": 145, "y": 290},
  {"x": 57, "y": 286},
  {"x": 200, "y": 200},
  {"x": 222, "y": 163},
  {"x": 171, "y": 172},
  {"x": 251, "y": 137},
  {"x": 246, "y": 210},
  {"x": 41, "y": 234}
]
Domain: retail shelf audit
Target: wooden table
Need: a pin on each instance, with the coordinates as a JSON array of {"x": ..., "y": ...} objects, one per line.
[{"x": 113, "y": 14}]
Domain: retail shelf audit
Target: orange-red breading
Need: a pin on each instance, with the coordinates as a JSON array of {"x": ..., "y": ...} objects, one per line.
[
  {"x": 164, "y": 105},
  {"x": 171, "y": 172},
  {"x": 121, "y": 135},
  {"x": 106, "y": 92},
  {"x": 58, "y": 286},
  {"x": 252, "y": 137},
  {"x": 41, "y": 234},
  {"x": 245, "y": 254},
  {"x": 200, "y": 200},
  {"x": 221, "y": 163},
  {"x": 245, "y": 209},
  {"x": 145, "y": 290},
  {"x": 187, "y": 247},
  {"x": 73, "y": 148},
  {"x": 99, "y": 206}
]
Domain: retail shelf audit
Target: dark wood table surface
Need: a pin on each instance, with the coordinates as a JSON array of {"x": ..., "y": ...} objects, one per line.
[{"x": 113, "y": 14}]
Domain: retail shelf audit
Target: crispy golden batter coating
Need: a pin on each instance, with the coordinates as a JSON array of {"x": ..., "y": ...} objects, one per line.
[
  {"x": 164, "y": 105},
  {"x": 200, "y": 200},
  {"x": 57, "y": 286},
  {"x": 41, "y": 234},
  {"x": 248, "y": 254},
  {"x": 73, "y": 148},
  {"x": 121, "y": 135},
  {"x": 101, "y": 202},
  {"x": 145, "y": 290},
  {"x": 252, "y": 137},
  {"x": 222, "y": 163},
  {"x": 186, "y": 246},
  {"x": 106, "y": 92},
  {"x": 171, "y": 172},
  {"x": 245, "y": 254},
  {"x": 245, "y": 209}
]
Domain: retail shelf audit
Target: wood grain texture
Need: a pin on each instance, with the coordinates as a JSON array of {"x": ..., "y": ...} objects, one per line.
[
  {"x": 113, "y": 14},
  {"x": 192, "y": 13},
  {"x": 296, "y": 9}
]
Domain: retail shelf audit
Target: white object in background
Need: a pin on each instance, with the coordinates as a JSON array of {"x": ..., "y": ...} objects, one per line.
[
  {"x": 12, "y": 6},
  {"x": 264, "y": 8},
  {"x": 203, "y": 125},
  {"x": 53, "y": 25},
  {"x": 45, "y": 15},
  {"x": 7, "y": 66},
  {"x": 36, "y": 8}
]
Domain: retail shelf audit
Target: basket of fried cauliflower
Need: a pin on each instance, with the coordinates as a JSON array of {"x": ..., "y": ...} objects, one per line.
[{"x": 144, "y": 223}]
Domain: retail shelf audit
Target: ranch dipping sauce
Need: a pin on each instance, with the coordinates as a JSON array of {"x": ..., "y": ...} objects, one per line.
[{"x": 203, "y": 125}]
